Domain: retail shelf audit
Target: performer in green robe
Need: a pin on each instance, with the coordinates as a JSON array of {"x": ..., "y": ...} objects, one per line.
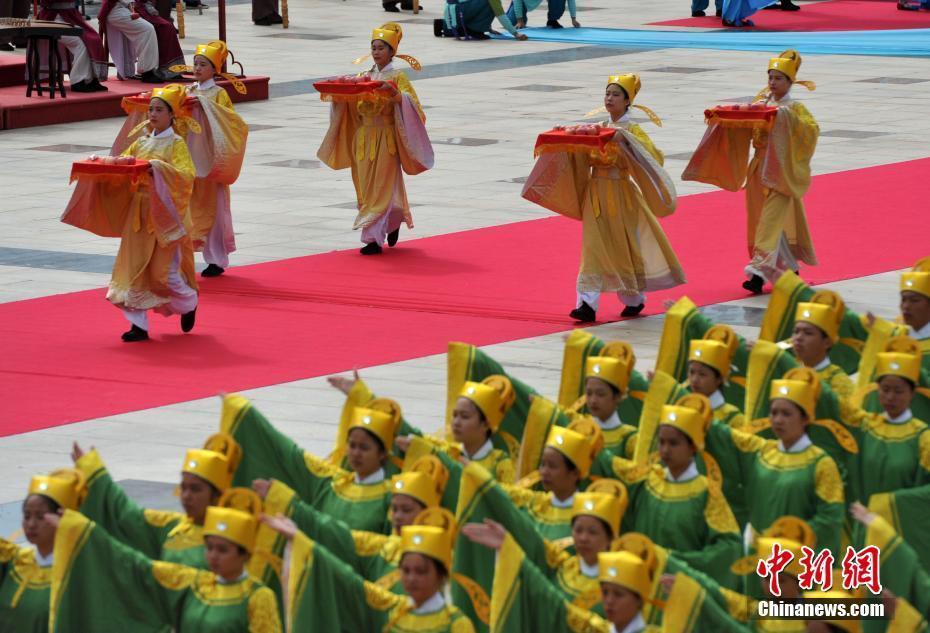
[
  {"x": 26, "y": 572},
  {"x": 324, "y": 595},
  {"x": 360, "y": 497},
  {"x": 894, "y": 446},
  {"x": 675, "y": 506},
  {"x": 176, "y": 537},
  {"x": 595, "y": 523},
  {"x": 99, "y": 584},
  {"x": 684, "y": 325},
  {"x": 787, "y": 476},
  {"x": 581, "y": 345}
]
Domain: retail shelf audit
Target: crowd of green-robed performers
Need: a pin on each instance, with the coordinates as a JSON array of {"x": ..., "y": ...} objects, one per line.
[{"x": 630, "y": 502}]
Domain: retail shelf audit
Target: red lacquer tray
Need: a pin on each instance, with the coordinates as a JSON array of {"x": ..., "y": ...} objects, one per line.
[
  {"x": 345, "y": 88},
  {"x": 560, "y": 140},
  {"x": 742, "y": 115},
  {"x": 99, "y": 168}
]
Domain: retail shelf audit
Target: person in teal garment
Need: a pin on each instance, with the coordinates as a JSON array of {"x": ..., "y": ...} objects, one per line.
[
  {"x": 519, "y": 11},
  {"x": 161, "y": 534},
  {"x": 471, "y": 19},
  {"x": 26, "y": 572}
]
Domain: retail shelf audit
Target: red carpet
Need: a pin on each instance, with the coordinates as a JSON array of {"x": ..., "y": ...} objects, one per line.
[
  {"x": 12, "y": 70},
  {"x": 832, "y": 15},
  {"x": 17, "y": 110},
  {"x": 311, "y": 316}
]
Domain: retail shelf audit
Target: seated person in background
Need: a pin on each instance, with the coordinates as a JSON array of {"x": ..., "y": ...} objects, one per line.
[
  {"x": 88, "y": 60},
  {"x": 520, "y": 8},
  {"x": 139, "y": 39},
  {"x": 265, "y": 12}
]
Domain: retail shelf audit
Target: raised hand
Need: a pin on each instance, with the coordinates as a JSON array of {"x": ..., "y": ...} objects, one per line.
[
  {"x": 342, "y": 383},
  {"x": 76, "y": 452},
  {"x": 491, "y": 534},
  {"x": 280, "y": 524},
  {"x": 261, "y": 487}
]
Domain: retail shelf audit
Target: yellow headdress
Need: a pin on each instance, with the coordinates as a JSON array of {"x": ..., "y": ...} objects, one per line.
[
  {"x": 215, "y": 52},
  {"x": 175, "y": 96},
  {"x": 822, "y": 315},
  {"x": 391, "y": 34},
  {"x": 791, "y": 533},
  {"x": 235, "y": 517},
  {"x": 606, "y": 502},
  {"x": 631, "y": 86},
  {"x": 788, "y": 63},
  {"x": 66, "y": 486},
  {"x": 902, "y": 358},
  {"x": 613, "y": 371},
  {"x": 389, "y": 406},
  {"x": 378, "y": 423},
  {"x": 212, "y": 467},
  {"x": 835, "y": 594},
  {"x": 627, "y": 570},
  {"x": 493, "y": 396},
  {"x": 573, "y": 445},
  {"x": 640, "y": 546},
  {"x": 432, "y": 534},
  {"x": 691, "y": 415},
  {"x": 233, "y": 525},
  {"x": 425, "y": 481},
  {"x": 801, "y": 386},
  {"x": 918, "y": 278},
  {"x": 716, "y": 349},
  {"x": 586, "y": 425}
]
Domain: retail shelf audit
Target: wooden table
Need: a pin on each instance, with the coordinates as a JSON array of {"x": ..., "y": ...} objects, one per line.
[{"x": 36, "y": 31}]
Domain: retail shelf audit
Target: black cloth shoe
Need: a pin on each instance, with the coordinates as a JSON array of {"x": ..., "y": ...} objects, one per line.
[
  {"x": 83, "y": 86},
  {"x": 7, "y": 47},
  {"x": 151, "y": 77},
  {"x": 553, "y": 24},
  {"x": 98, "y": 87},
  {"x": 390, "y": 7},
  {"x": 719, "y": 13},
  {"x": 393, "y": 236},
  {"x": 584, "y": 313},
  {"x": 754, "y": 284},
  {"x": 275, "y": 18},
  {"x": 188, "y": 319},
  {"x": 371, "y": 248},
  {"x": 212, "y": 271},
  {"x": 632, "y": 311},
  {"x": 135, "y": 334},
  {"x": 439, "y": 27},
  {"x": 697, "y": 14},
  {"x": 406, "y": 5},
  {"x": 786, "y": 5}
]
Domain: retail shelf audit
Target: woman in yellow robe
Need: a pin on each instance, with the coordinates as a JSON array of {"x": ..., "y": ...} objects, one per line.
[
  {"x": 380, "y": 139},
  {"x": 154, "y": 267},
  {"x": 617, "y": 195},
  {"x": 218, "y": 157},
  {"x": 776, "y": 179}
]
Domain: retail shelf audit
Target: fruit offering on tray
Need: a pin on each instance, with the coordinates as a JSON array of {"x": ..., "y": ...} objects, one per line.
[
  {"x": 742, "y": 115},
  {"x": 582, "y": 137},
  {"x": 129, "y": 166},
  {"x": 348, "y": 85}
]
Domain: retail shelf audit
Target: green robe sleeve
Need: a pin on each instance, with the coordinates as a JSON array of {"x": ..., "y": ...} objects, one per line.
[
  {"x": 908, "y": 513},
  {"x": 901, "y": 569},
  {"x": 268, "y": 454},
  {"x": 324, "y": 595},
  {"x": 122, "y": 518},
  {"x": 524, "y": 599},
  {"x": 99, "y": 584}
]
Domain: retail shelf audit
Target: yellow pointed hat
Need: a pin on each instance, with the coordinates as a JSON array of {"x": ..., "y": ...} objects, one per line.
[
  {"x": 788, "y": 63},
  {"x": 602, "y": 503},
  {"x": 631, "y": 85},
  {"x": 172, "y": 94},
  {"x": 573, "y": 445},
  {"x": 691, "y": 415},
  {"x": 837, "y": 594},
  {"x": 918, "y": 278},
  {"x": 391, "y": 34},
  {"x": 714, "y": 354},
  {"x": 613, "y": 371},
  {"x": 378, "y": 423},
  {"x": 627, "y": 570},
  {"x": 801, "y": 386},
  {"x": 820, "y": 315},
  {"x": 215, "y": 52},
  {"x": 429, "y": 540},
  {"x": 902, "y": 358},
  {"x": 66, "y": 486},
  {"x": 233, "y": 525},
  {"x": 493, "y": 396},
  {"x": 425, "y": 481},
  {"x": 210, "y": 466}
]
